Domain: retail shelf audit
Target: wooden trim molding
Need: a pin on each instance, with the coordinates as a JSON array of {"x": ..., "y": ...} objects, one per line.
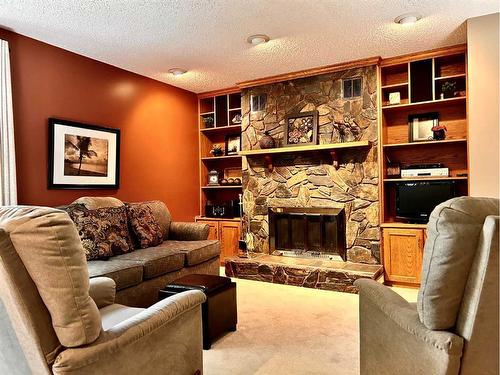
[
  {"x": 444, "y": 51},
  {"x": 310, "y": 72},
  {"x": 209, "y": 94}
]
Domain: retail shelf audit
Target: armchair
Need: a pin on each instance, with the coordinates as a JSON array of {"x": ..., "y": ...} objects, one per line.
[
  {"x": 54, "y": 320},
  {"x": 453, "y": 328}
]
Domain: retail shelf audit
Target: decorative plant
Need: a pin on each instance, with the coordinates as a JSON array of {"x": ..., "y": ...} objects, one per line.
[
  {"x": 208, "y": 121},
  {"x": 217, "y": 150},
  {"x": 448, "y": 88}
]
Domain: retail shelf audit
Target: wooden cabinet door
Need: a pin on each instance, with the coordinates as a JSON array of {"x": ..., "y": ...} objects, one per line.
[
  {"x": 229, "y": 234},
  {"x": 213, "y": 231},
  {"x": 403, "y": 251}
]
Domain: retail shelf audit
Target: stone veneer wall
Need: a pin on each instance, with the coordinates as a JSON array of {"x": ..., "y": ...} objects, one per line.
[{"x": 309, "y": 180}]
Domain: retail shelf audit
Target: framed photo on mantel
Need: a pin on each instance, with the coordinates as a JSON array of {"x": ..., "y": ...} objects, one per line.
[{"x": 83, "y": 156}]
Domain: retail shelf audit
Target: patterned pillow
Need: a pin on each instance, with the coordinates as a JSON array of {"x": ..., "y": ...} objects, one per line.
[
  {"x": 104, "y": 231},
  {"x": 144, "y": 225}
]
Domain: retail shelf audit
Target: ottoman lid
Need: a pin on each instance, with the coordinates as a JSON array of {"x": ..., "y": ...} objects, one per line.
[{"x": 207, "y": 283}]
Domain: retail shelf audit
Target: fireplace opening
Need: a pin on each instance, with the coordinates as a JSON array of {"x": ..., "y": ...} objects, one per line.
[{"x": 307, "y": 232}]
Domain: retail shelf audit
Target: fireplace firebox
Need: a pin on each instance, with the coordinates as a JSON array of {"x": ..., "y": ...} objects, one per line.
[{"x": 307, "y": 232}]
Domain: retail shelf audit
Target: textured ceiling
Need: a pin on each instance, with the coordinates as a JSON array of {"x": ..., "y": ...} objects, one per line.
[{"x": 207, "y": 37}]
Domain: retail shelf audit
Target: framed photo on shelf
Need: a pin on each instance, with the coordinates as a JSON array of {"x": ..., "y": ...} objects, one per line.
[
  {"x": 83, "y": 156},
  {"x": 420, "y": 126},
  {"x": 233, "y": 144},
  {"x": 301, "y": 129}
]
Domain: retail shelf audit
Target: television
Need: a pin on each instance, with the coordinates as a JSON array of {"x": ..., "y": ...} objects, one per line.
[{"x": 415, "y": 200}]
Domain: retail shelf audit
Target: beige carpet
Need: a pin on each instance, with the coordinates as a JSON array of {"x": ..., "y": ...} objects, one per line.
[{"x": 289, "y": 330}]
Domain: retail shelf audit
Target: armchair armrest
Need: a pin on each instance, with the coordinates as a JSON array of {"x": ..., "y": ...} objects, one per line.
[
  {"x": 182, "y": 231},
  {"x": 103, "y": 291},
  {"x": 391, "y": 332},
  {"x": 170, "y": 330}
]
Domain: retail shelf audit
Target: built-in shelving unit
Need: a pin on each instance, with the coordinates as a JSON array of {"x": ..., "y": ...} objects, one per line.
[
  {"x": 218, "y": 118},
  {"x": 419, "y": 78}
]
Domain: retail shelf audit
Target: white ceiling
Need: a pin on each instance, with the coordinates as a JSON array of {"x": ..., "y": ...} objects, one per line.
[{"x": 208, "y": 37}]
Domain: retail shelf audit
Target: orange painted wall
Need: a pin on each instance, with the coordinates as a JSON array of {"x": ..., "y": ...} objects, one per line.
[{"x": 158, "y": 122}]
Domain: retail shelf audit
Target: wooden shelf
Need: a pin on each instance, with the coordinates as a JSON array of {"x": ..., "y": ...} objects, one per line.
[
  {"x": 207, "y": 113},
  {"x": 403, "y": 225},
  {"x": 426, "y": 103},
  {"x": 226, "y": 157},
  {"x": 221, "y": 187},
  {"x": 395, "y": 85},
  {"x": 437, "y": 178},
  {"x": 222, "y": 129},
  {"x": 410, "y": 144},
  {"x": 234, "y": 109},
  {"x": 331, "y": 148},
  {"x": 462, "y": 75}
]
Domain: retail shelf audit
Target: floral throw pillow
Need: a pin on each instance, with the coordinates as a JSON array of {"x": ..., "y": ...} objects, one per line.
[
  {"x": 104, "y": 231},
  {"x": 144, "y": 225}
]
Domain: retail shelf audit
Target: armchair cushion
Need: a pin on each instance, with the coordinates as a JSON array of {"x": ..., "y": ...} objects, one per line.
[
  {"x": 453, "y": 234},
  {"x": 181, "y": 231},
  {"x": 394, "y": 341},
  {"x": 170, "y": 330},
  {"x": 49, "y": 246},
  {"x": 102, "y": 291}
]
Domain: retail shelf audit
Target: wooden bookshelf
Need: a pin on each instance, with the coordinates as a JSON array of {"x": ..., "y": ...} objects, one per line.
[
  {"x": 419, "y": 78},
  {"x": 221, "y": 106}
]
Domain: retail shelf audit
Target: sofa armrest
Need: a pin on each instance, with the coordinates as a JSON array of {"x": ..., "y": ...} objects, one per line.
[
  {"x": 169, "y": 330},
  {"x": 391, "y": 332},
  {"x": 182, "y": 231},
  {"x": 103, "y": 291}
]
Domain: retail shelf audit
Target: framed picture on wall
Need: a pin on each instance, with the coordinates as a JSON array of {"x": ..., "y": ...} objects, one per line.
[
  {"x": 301, "y": 129},
  {"x": 420, "y": 126},
  {"x": 83, "y": 156}
]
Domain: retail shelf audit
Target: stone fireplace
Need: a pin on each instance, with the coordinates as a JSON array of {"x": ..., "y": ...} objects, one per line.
[
  {"x": 307, "y": 232},
  {"x": 290, "y": 194},
  {"x": 310, "y": 180}
]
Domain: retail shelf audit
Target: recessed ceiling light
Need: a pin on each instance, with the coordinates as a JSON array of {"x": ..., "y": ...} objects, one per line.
[
  {"x": 258, "y": 39},
  {"x": 408, "y": 18},
  {"x": 177, "y": 71}
]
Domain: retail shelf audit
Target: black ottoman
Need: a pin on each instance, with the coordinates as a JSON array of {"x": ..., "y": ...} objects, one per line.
[{"x": 219, "y": 312}]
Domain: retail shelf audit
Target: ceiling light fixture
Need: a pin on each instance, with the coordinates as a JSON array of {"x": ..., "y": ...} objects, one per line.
[
  {"x": 407, "y": 19},
  {"x": 177, "y": 71},
  {"x": 258, "y": 39}
]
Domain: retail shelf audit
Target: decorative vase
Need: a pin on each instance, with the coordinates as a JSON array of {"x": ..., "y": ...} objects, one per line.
[{"x": 267, "y": 141}]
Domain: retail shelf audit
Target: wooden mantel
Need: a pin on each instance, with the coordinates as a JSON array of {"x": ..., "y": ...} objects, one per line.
[{"x": 331, "y": 148}]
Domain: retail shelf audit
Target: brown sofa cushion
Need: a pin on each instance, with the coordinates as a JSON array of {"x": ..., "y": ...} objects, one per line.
[
  {"x": 144, "y": 226},
  {"x": 196, "y": 251},
  {"x": 93, "y": 203},
  {"x": 161, "y": 214},
  {"x": 48, "y": 244},
  {"x": 103, "y": 231},
  {"x": 157, "y": 260},
  {"x": 124, "y": 273}
]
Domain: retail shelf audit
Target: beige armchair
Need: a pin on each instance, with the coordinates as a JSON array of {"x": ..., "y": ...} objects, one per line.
[
  {"x": 453, "y": 328},
  {"x": 54, "y": 320}
]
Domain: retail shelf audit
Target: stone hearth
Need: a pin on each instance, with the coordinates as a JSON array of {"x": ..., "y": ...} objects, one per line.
[{"x": 309, "y": 273}]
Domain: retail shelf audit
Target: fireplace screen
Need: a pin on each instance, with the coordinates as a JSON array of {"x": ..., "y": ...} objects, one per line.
[{"x": 307, "y": 232}]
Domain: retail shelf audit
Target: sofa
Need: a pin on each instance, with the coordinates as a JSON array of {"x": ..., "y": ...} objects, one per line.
[
  {"x": 454, "y": 326},
  {"x": 55, "y": 320},
  {"x": 139, "y": 275}
]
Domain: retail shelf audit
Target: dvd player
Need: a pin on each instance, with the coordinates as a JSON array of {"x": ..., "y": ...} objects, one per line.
[{"x": 425, "y": 170}]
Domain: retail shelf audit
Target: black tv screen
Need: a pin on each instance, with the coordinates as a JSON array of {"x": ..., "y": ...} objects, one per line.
[{"x": 416, "y": 200}]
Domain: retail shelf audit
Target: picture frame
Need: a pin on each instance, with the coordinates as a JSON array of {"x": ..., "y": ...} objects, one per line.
[
  {"x": 301, "y": 129},
  {"x": 233, "y": 144},
  {"x": 82, "y": 156},
  {"x": 420, "y": 126}
]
